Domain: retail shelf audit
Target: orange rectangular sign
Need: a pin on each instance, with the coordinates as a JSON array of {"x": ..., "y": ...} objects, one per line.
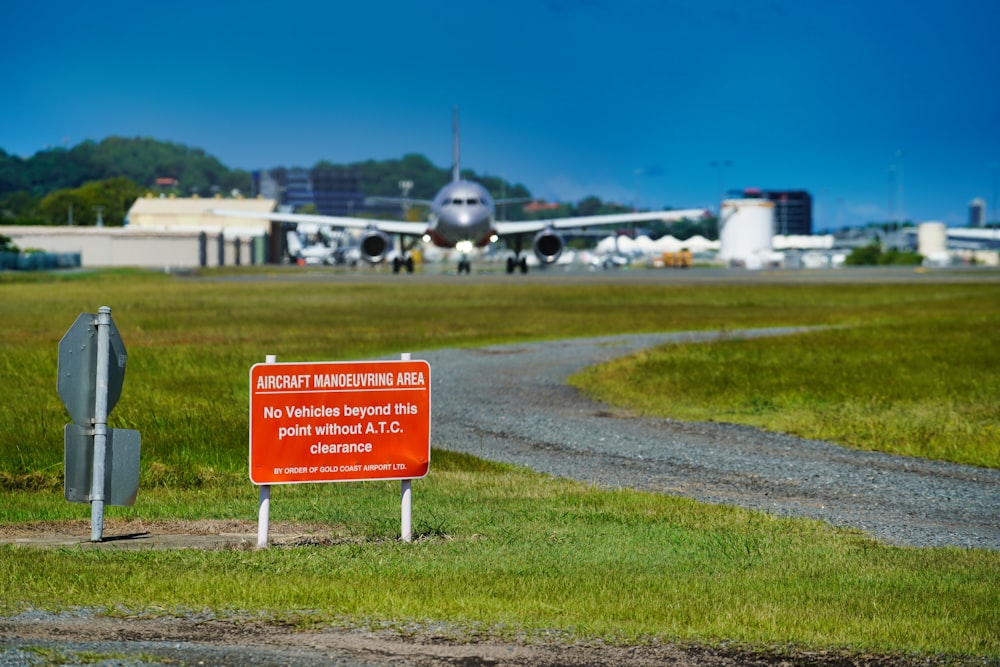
[{"x": 339, "y": 421}]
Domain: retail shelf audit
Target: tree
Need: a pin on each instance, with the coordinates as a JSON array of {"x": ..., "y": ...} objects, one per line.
[
  {"x": 111, "y": 199},
  {"x": 864, "y": 256},
  {"x": 589, "y": 206},
  {"x": 896, "y": 257},
  {"x": 12, "y": 173},
  {"x": 20, "y": 208},
  {"x": 141, "y": 160}
]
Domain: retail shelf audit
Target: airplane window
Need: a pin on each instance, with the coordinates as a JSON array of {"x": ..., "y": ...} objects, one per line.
[
  {"x": 472, "y": 202},
  {"x": 457, "y": 202}
]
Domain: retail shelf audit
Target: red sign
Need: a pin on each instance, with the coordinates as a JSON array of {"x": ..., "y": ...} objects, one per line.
[{"x": 339, "y": 421}]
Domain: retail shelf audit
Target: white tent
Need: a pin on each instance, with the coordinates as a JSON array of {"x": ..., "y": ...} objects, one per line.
[
  {"x": 668, "y": 244},
  {"x": 699, "y": 243}
]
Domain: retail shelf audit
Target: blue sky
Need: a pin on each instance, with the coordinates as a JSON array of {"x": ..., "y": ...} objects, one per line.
[{"x": 868, "y": 104}]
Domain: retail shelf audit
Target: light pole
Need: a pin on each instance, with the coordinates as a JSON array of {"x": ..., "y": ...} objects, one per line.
[
  {"x": 404, "y": 188},
  {"x": 902, "y": 214},
  {"x": 892, "y": 193},
  {"x": 993, "y": 168},
  {"x": 784, "y": 214},
  {"x": 638, "y": 171}
]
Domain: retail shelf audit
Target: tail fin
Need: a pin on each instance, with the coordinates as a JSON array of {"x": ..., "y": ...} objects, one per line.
[{"x": 455, "y": 171}]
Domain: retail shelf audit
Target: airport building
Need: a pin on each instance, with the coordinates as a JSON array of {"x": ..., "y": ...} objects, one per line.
[
  {"x": 793, "y": 214},
  {"x": 792, "y": 210},
  {"x": 163, "y": 232},
  {"x": 977, "y": 213},
  {"x": 193, "y": 213},
  {"x": 332, "y": 190},
  {"x": 746, "y": 232}
]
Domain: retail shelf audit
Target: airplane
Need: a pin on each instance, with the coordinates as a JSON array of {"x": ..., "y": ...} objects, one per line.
[{"x": 463, "y": 216}]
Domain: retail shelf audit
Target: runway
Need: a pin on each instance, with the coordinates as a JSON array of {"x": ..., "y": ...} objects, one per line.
[{"x": 491, "y": 274}]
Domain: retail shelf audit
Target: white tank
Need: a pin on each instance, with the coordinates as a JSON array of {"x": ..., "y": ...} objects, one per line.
[
  {"x": 746, "y": 227},
  {"x": 932, "y": 239}
]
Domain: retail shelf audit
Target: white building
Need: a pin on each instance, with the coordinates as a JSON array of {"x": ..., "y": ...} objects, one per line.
[
  {"x": 746, "y": 230},
  {"x": 161, "y": 233},
  {"x": 183, "y": 213}
]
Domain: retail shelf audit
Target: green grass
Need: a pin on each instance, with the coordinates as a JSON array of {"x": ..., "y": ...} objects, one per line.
[
  {"x": 921, "y": 385},
  {"x": 55, "y": 657},
  {"x": 507, "y": 552},
  {"x": 502, "y": 550}
]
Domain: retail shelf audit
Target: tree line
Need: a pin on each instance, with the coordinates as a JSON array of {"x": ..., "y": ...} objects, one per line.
[{"x": 99, "y": 181}]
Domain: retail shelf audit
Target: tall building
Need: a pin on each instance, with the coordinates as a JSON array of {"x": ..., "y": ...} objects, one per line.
[
  {"x": 977, "y": 213},
  {"x": 792, "y": 210},
  {"x": 332, "y": 190}
]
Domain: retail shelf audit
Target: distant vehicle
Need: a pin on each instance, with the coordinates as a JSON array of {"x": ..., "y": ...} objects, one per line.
[
  {"x": 463, "y": 216},
  {"x": 315, "y": 244},
  {"x": 610, "y": 262}
]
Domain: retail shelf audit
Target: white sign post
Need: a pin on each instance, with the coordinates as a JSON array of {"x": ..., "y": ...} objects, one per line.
[{"x": 339, "y": 422}]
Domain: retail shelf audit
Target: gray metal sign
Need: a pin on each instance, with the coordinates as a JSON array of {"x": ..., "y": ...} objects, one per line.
[
  {"x": 78, "y": 367},
  {"x": 90, "y": 377},
  {"x": 121, "y": 465}
]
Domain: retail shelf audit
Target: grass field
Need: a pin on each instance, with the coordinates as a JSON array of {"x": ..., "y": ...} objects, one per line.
[
  {"x": 917, "y": 380},
  {"x": 909, "y": 368}
]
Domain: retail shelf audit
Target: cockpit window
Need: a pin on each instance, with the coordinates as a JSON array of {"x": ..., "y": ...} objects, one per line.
[{"x": 467, "y": 201}]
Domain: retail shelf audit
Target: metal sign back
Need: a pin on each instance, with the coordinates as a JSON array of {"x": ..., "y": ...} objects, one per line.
[
  {"x": 121, "y": 465},
  {"x": 76, "y": 381}
]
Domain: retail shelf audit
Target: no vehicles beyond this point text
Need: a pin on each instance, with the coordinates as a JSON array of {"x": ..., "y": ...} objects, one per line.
[{"x": 339, "y": 421}]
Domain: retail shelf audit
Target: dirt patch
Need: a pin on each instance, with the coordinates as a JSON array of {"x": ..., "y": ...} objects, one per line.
[
  {"x": 194, "y": 639},
  {"x": 187, "y": 641},
  {"x": 166, "y": 534},
  {"x": 119, "y": 527}
]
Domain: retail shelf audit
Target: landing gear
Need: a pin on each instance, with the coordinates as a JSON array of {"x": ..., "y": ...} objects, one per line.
[
  {"x": 517, "y": 262},
  {"x": 398, "y": 263},
  {"x": 404, "y": 259},
  {"x": 514, "y": 263},
  {"x": 464, "y": 265}
]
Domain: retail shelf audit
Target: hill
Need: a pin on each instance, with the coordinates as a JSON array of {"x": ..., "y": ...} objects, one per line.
[
  {"x": 141, "y": 160},
  {"x": 62, "y": 184}
]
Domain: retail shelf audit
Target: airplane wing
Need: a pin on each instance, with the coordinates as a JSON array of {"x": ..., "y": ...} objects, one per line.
[
  {"x": 387, "y": 226},
  {"x": 402, "y": 201},
  {"x": 529, "y": 226}
]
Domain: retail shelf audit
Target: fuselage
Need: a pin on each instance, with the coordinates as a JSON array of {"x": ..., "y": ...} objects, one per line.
[{"x": 462, "y": 212}]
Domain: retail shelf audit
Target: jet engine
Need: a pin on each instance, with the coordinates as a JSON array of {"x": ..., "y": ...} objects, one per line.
[
  {"x": 374, "y": 246},
  {"x": 548, "y": 245}
]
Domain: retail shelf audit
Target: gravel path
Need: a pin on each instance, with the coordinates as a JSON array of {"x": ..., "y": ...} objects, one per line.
[{"x": 511, "y": 403}]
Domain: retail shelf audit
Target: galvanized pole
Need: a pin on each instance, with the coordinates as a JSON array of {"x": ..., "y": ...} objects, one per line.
[
  {"x": 406, "y": 498},
  {"x": 406, "y": 511},
  {"x": 263, "y": 515},
  {"x": 264, "y": 497},
  {"x": 100, "y": 424}
]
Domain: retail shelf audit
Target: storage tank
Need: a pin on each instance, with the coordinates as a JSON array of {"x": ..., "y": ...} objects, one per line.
[
  {"x": 746, "y": 227},
  {"x": 932, "y": 239}
]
